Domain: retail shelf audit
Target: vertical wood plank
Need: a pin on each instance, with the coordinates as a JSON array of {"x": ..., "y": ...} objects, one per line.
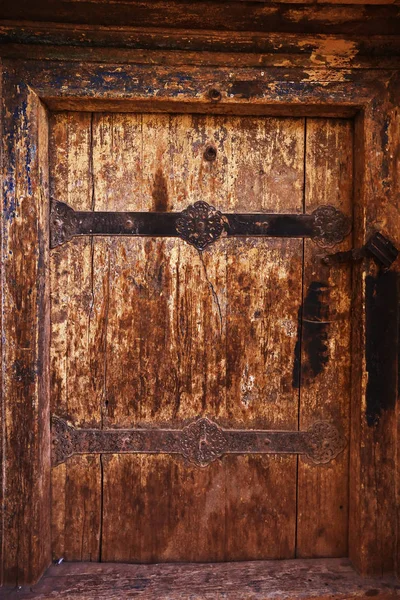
[
  {"x": 374, "y": 460},
  {"x": 76, "y": 384},
  {"x": 263, "y": 293},
  {"x": 325, "y": 334},
  {"x": 392, "y": 149},
  {"x": 25, "y": 334},
  {"x": 2, "y": 403}
]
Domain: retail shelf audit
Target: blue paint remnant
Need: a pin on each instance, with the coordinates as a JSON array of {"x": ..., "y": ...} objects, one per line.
[
  {"x": 107, "y": 80},
  {"x": 287, "y": 88},
  {"x": 17, "y": 127}
]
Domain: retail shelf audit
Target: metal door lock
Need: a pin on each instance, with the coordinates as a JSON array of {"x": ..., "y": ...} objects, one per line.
[{"x": 378, "y": 247}]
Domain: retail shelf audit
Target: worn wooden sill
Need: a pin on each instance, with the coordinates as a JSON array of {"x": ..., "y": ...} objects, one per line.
[{"x": 319, "y": 579}]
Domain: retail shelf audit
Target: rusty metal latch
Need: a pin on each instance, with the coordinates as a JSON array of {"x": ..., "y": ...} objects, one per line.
[
  {"x": 199, "y": 225},
  {"x": 378, "y": 247},
  {"x": 201, "y": 442}
]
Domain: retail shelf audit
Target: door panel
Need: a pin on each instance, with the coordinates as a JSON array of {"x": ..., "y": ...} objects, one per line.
[
  {"x": 150, "y": 332},
  {"x": 325, "y": 373}
]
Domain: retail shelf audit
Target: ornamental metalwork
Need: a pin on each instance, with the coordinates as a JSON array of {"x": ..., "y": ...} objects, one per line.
[
  {"x": 200, "y": 224},
  {"x": 331, "y": 226},
  {"x": 203, "y": 441},
  {"x": 200, "y": 442},
  {"x": 63, "y": 223},
  {"x": 64, "y": 441},
  {"x": 325, "y": 442}
]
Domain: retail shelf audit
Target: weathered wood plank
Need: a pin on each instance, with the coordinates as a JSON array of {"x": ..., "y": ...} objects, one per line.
[
  {"x": 131, "y": 38},
  {"x": 332, "y": 579},
  {"x": 57, "y": 41},
  {"x": 375, "y": 424},
  {"x": 339, "y": 58},
  {"x": 266, "y": 161},
  {"x": 25, "y": 335},
  {"x": 325, "y": 355},
  {"x": 76, "y": 348},
  {"x": 235, "y": 16},
  {"x": 2, "y": 403},
  {"x": 252, "y": 91}
]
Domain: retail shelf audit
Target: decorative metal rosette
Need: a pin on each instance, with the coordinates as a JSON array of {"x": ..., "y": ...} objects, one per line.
[
  {"x": 63, "y": 223},
  {"x": 325, "y": 442},
  {"x": 203, "y": 442},
  {"x": 331, "y": 226},
  {"x": 63, "y": 440},
  {"x": 200, "y": 224}
]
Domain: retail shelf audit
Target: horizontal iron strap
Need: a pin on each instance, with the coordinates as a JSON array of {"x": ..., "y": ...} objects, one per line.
[
  {"x": 201, "y": 441},
  {"x": 199, "y": 225},
  {"x": 164, "y": 224}
]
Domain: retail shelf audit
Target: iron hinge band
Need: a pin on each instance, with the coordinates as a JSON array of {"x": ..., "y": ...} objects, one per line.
[
  {"x": 199, "y": 225},
  {"x": 201, "y": 442}
]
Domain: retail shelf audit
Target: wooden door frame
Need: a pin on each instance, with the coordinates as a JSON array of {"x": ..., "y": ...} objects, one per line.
[{"x": 30, "y": 88}]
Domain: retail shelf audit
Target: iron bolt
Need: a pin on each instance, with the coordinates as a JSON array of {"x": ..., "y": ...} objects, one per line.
[
  {"x": 214, "y": 95},
  {"x": 210, "y": 153}
]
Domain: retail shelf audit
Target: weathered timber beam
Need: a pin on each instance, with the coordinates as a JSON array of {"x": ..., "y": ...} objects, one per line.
[
  {"x": 218, "y": 15},
  {"x": 58, "y": 41}
]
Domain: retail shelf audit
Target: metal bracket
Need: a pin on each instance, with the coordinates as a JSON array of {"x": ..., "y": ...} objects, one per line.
[
  {"x": 201, "y": 442},
  {"x": 378, "y": 247},
  {"x": 199, "y": 225}
]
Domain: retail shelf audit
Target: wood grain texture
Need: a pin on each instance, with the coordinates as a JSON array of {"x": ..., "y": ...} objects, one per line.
[
  {"x": 325, "y": 329},
  {"x": 374, "y": 456},
  {"x": 2, "y": 403},
  {"x": 332, "y": 579},
  {"x": 185, "y": 334},
  {"x": 252, "y": 91},
  {"x": 57, "y": 41},
  {"x": 25, "y": 336},
  {"x": 235, "y": 16},
  {"x": 76, "y": 346}
]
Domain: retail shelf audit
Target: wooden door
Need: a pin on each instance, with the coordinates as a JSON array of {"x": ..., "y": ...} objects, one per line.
[{"x": 147, "y": 332}]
